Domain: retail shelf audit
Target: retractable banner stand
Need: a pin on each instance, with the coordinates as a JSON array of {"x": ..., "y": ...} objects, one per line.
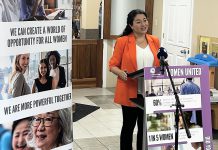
[
  {"x": 192, "y": 86},
  {"x": 35, "y": 74}
]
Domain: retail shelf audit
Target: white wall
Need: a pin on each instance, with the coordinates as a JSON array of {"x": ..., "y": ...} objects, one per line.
[
  {"x": 205, "y": 23},
  {"x": 205, "y": 20},
  {"x": 90, "y": 14},
  {"x": 109, "y": 79},
  {"x": 119, "y": 11}
]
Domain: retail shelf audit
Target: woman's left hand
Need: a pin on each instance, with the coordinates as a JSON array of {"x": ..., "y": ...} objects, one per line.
[{"x": 123, "y": 75}]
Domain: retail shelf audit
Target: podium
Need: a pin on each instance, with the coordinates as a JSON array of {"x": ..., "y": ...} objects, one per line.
[
  {"x": 159, "y": 112},
  {"x": 140, "y": 102}
]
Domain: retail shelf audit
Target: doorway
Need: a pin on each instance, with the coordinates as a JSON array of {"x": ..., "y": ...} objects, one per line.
[{"x": 177, "y": 30}]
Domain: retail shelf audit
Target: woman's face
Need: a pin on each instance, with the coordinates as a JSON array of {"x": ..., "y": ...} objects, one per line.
[
  {"x": 140, "y": 24},
  {"x": 24, "y": 62},
  {"x": 20, "y": 135},
  {"x": 43, "y": 69},
  {"x": 46, "y": 130},
  {"x": 53, "y": 61}
]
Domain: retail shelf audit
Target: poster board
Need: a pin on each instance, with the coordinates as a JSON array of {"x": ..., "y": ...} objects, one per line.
[
  {"x": 161, "y": 112},
  {"x": 35, "y": 74}
]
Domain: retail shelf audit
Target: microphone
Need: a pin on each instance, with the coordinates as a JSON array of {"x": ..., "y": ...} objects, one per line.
[{"x": 162, "y": 55}]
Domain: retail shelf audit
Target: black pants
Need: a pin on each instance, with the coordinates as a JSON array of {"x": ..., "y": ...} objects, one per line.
[{"x": 130, "y": 116}]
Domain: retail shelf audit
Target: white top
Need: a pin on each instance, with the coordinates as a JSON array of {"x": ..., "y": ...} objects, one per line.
[
  {"x": 55, "y": 74},
  {"x": 144, "y": 58}
]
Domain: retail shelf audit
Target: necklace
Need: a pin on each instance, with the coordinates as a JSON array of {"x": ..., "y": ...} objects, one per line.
[{"x": 139, "y": 43}]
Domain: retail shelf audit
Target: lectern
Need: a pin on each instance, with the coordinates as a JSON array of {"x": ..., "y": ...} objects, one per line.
[{"x": 140, "y": 102}]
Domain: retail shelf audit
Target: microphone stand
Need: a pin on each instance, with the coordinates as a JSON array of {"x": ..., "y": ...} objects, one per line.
[{"x": 178, "y": 109}]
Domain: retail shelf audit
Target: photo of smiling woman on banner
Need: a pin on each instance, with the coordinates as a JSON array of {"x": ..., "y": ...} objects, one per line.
[
  {"x": 56, "y": 71},
  {"x": 17, "y": 82},
  {"x": 44, "y": 81},
  {"x": 18, "y": 73},
  {"x": 20, "y": 134},
  {"x": 52, "y": 129}
]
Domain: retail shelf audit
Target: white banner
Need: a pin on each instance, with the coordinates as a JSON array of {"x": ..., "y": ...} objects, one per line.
[
  {"x": 33, "y": 104},
  {"x": 167, "y": 103},
  {"x": 29, "y": 37},
  {"x": 164, "y": 137}
]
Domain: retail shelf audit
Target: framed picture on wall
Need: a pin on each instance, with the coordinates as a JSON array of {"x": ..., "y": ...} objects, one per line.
[
  {"x": 209, "y": 45},
  {"x": 204, "y": 44},
  {"x": 214, "y": 49}
]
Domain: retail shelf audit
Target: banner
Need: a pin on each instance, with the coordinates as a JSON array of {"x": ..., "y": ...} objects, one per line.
[
  {"x": 192, "y": 86},
  {"x": 35, "y": 74}
]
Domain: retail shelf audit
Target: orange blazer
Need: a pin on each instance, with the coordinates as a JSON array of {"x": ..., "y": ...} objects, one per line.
[{"x": 124, "y": 57}]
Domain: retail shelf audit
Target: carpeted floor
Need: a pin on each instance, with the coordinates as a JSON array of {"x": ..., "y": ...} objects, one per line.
[{"x": 83, "y": 110}]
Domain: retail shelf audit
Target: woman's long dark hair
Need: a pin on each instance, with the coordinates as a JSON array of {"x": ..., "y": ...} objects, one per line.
[
  {"x": 56, "y": 54},
  {"x": 130, "y": 19}
]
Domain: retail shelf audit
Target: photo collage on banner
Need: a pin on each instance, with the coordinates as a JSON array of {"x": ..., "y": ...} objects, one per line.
[
  {"x": 35, "y": 75},
  {"x": 192, "y": 85}
]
